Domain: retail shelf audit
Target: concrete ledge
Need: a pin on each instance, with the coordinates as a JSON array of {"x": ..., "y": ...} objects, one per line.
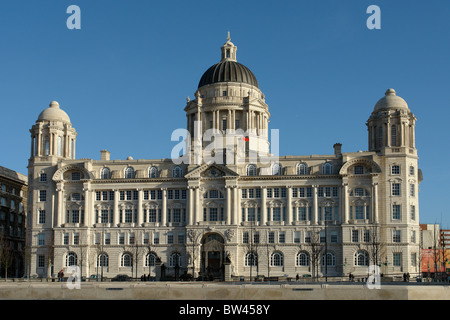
[{"x": 219, "y": 291}]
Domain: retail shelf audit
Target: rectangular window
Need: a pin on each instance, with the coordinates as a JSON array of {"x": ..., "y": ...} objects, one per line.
[
  {"x": 41, "y": 217},
  {"x": 282, "y": 237},
  {"x": 128, "y": 194},
  {"x": 258, "y": 193},
  {"x": 397, "y": 259},
  {"x": 146, "y": 239},
  {"x": 131, "y": 238},
  {"x": 76, "y": 176},
  {"x": 128, "y": 215},
  {"x": 276, "y": 192},
  {"x": 412, "y": 190},
  {"x": 76, "y": 238},
  {"x": 271, "y": 237},
  {"x": 244, "y": 193},
  {"x": 308, "y": 237},
  {"x": 65, "y": 238},
  {"x": 276, "y": 214},
  {"x": 122, "y": 238},
  {"x": 355, "y": 236},
  {"x": 396, "y": 212},
  {"x": 42, "y": 195},
  {"x": 180, "y": 238},
  {"x": 358, "y": 170},
  {"x": 251, "y": 214},
  {"x": 413, "y": 236},
  {"x": 359, "y": 212},
  {"x": 41, "y": 239},
  {"x": 413, "y": 259},
  {"x": 245, "y": 237},
  {"x": 43, "y": 177},
  {"x": 366, "y": 235},
  {"x": 41, "y": 261},
  {"x": 107, "y": 238},
  {"x": 296, "y": 236},
  {"x": 170, "y": 238},
  {"x": 396, "y": 189},
  {"x": 152, "y": 215},
  {"x": 395, "y": 170},
  {"x": 334, "y": 237},
  {"x": 176, "y": 215},
  {"x": 156, "y": 238},
  {"x": 251, "y": 193},
  {"x": 269, "y": 192},
  {"x": 412, "y": 212},
  {"x": 396, "y": 236},
  {"x": 256, "y": 237}
]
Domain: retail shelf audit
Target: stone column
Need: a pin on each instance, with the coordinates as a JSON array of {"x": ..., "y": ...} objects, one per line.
[
  {"x": 375, "y": 202},
  {"x": 60, "y": 214},
  {"x": 315, "y": 206},
  {"x": 197, "y": 205},
  {"x": 263, "y": 205},
  {"x": 116, "y": 207},
  {"x": 228, "y": 205},
  {"x": 164, "y": 207},
  {"x": 289, "y": 205},
  {"x": 140, "y": 217},
  {"x": 235, "y": 206},
  {"x": 346, "y": 204},
  {"x": 190, "y": 207}
]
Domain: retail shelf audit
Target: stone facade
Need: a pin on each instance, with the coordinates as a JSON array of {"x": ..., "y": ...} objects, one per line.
[
  {"x": 13, "y": 205},
  {"x": 270, "y": 215}
]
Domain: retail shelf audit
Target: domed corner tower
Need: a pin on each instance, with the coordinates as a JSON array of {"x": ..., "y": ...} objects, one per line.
[
  {"x": 391, "y": 126},
  {"x": 52, "y": 136},
  {"x": 228, "y": 101}
]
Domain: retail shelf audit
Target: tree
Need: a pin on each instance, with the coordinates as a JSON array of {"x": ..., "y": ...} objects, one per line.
[
  {"x": 374, "y": 246},
  {"x": 193, "y": 236},
  {"x": 5, "y": 253},
  {"x": 315, "y": 249}
]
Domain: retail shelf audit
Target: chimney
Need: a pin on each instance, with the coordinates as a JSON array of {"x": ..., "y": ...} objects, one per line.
[
  {"x": 105, "y": 155},
  {"x": 337, "y": 149}
]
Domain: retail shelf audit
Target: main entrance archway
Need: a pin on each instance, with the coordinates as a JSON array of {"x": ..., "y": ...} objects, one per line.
[{"x": 213, "y": 256}]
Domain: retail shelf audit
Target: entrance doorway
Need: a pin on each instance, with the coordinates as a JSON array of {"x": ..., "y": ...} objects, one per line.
[{"x": 212, "y": 257}]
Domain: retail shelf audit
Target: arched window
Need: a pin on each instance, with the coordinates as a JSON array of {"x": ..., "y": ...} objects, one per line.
[
  {"x": 71, "y": 259},
  {"x": 393, "y": 135},
  {"x": 251, "y": 259},
  {"x": 276, "y": 169},
  {"x": 174, "y": 259},
  {"x": 59, "y": 146},
  {"x": 177, "y": 172},
  {"x": 327, "y": 168},
  {"x": 153, "y": 172},
  {"x": 251, "y": 170},
  {"x": 105, "y": 173},
  {"x": 302, "y": 259},
  {"x": 361, "y": 258},
  {"x": 103, "y": 260},
  {"x": 276, "y": 259},
  {"x": 150, "y": 259},
  {"x": 129, "y": 173},
  {"x": 126, "y": 260},
  {"x": 302, "y": 169},
  {"x": 330, "y": 258}
]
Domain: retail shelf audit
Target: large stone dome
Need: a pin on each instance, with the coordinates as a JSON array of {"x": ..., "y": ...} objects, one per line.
[
  {"x": 390, "y": 101},
  {"x": 228, "y": 71},
  {"x": 53, "y": 113}
]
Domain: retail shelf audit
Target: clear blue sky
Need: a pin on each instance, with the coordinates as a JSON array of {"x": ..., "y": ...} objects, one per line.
[{"x": 124, "y": 77}]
